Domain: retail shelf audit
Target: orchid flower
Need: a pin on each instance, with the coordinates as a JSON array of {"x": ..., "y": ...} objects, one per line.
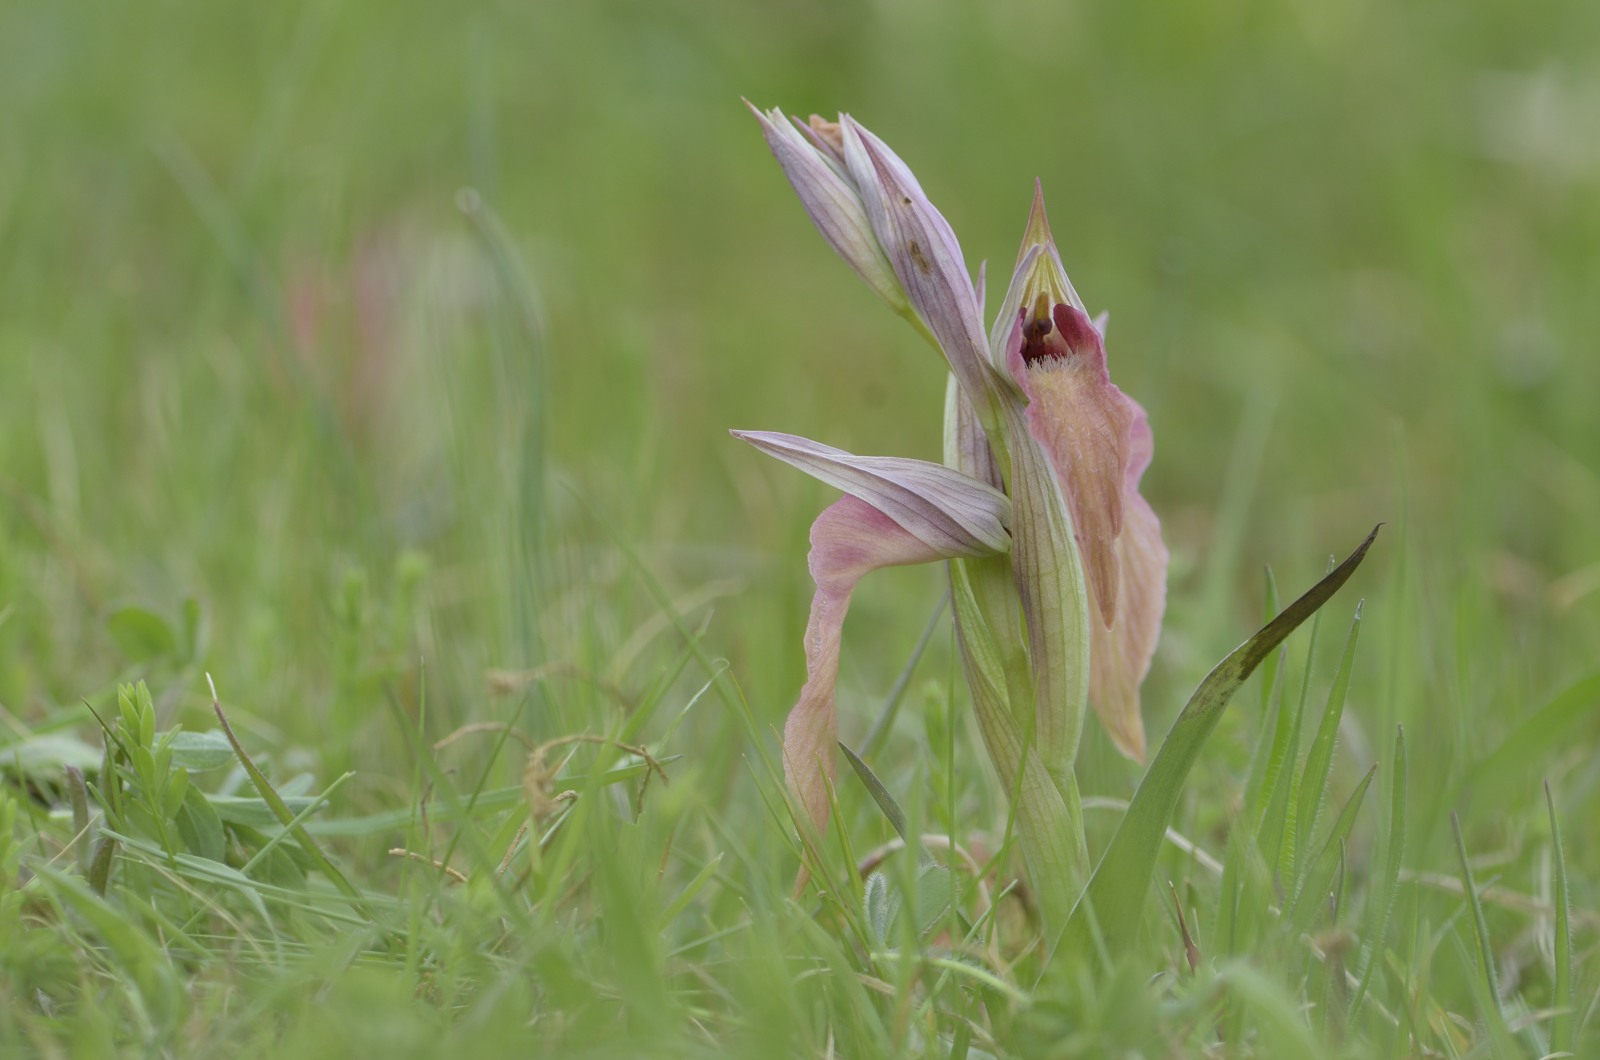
[{"x": 1056, "y": 562}]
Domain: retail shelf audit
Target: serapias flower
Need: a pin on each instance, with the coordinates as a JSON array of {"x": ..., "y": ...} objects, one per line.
[
  {"x": 1099, "y": 442},
  {"x": 1047, "y": 455}
]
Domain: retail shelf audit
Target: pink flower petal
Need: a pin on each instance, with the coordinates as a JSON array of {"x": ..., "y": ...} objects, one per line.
[
  {"x": 848, "y": 540},
  {"x": 1083, "y": 422},
  {"x": 925, "y": 255},
  {"x": 832, "y": 202},
  {"x": 1120, "y": 656},
  {"x": 951, "y": 512}
]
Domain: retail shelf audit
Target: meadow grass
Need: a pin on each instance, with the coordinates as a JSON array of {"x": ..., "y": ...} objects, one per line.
[{"x": 377, "y": 360}]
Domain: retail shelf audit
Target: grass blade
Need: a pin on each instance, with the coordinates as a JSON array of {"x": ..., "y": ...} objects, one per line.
[
  {"x": 1240, "y": 861},
  {"x": 156, "y": 978},
  {"x": 1114, "y": 898},
  {"x": 1319, "y": 760},
  {"x": 879, "y": 793},
  {"x": 285, "y": 816},
  {"x": 1389, "y": 884},
  {"x": 1480, "y": 926},
  {"x": 891, "y": 704},
  {"x": 1561, "y": 1025},
  {"x": 1319, "y": 876}
]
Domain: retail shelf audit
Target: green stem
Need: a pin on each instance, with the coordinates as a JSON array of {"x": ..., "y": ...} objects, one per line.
[{"x": 1045, "y": 810}]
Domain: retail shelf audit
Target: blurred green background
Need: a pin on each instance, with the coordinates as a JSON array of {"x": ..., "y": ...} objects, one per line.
[{"x": 402, "y": 338}]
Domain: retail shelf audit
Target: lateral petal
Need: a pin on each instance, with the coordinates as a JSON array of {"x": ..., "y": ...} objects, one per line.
[
  {"x": 849, "y": 539},
  {"x": 952, "y": 513}
]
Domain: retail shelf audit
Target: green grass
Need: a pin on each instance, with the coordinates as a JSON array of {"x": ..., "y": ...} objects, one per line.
[{"x": 377, "y": 361}]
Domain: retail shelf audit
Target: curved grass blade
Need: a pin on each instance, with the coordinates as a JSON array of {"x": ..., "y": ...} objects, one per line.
[
  {"x": 879, "y": 793},
  {"x": 1319, "y": 878},
  {"x": 288, "y": 819},
  {"x": 1114, "y": 898},
  {"x": 1561, "y": 1026},
  {"x": 1480, "y": 925},
  {"x": 1389, "y": 886},
  {"x": 891, "y": 704},
  {"x": 1279, "y": 826},
  {"x": 1242, "y": 857},
  {"x": 1319, "y": 760}
]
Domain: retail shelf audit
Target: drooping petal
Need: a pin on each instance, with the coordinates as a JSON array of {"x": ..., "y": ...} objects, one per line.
[
  {"x": 1120, "y": 656},
  {"x": 849, "y": 539},
  {"x": 832, "y": 203},
  {"x": 946, "y": 510}
]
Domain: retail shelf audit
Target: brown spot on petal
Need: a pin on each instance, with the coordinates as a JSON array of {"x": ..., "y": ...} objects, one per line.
[{"x": 918, "y": 258}]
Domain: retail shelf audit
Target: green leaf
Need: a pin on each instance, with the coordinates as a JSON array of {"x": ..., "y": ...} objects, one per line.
[
  {"x": 128, "y": 711},
  {"x": 141, "y": 633},
  {"x": 1277, "y": 1019},
  {"x": 1113, "y": 901},
  {"x": 879, "y": 793},
  {"x": 253, "y": 812},
  {"x": 200, "y": 826},
  {"x": 934, "y": 888},
  {"x": 177, "y": 788},
  {"x": 200, "y": 751},
  {"x": 880, "y": 904},
  {"x": 883, "y": 902},
  {"x": 49, "y": 754},
  {"x": 144, "y": 767}
]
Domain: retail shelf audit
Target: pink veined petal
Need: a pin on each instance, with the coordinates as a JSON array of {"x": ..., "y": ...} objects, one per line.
[
  {"x": 949, "y": 511},
  {"x": 848, "y": 540},
  {"x": 1084, "y": 423},
  {"x": 832, "y": 202},
  {"x": 1120, "y": 656},
  {"x": 925, "y": 255}
]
